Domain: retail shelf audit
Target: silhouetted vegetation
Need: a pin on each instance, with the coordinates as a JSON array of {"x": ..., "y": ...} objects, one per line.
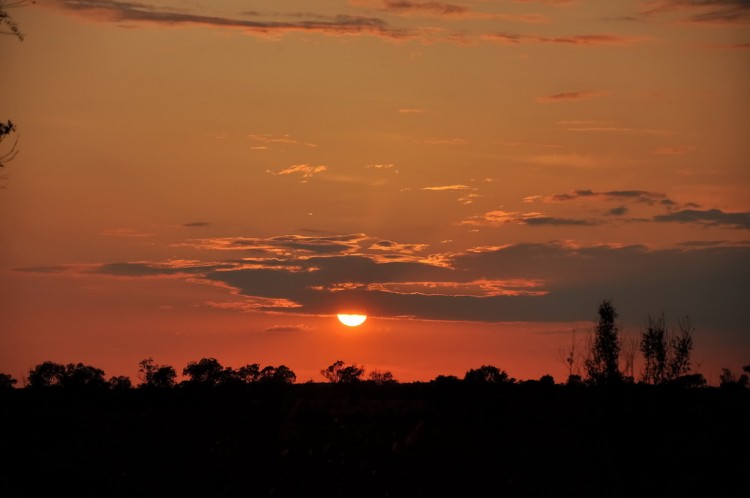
[
  {"x": 340, "y": 373},
  {"x": 666, "y": 355},
  {"x": 7, "y": 128},
  {"x": 7, "y": 381},
  {"x": 253, "y": 431},
  {"x": 602, "y": 366},
  {"x": 487, "y": 374}
]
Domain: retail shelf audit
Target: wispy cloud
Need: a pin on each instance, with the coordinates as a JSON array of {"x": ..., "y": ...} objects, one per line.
[
  {"x": 447, "y": 187},
  {"x": 445, "y": 10},
  {"x": 306, "y": 171},
  {"x": 584, "y": 40},
  {"x": 709, "y": 12},
  {"x": 671, "y": 151},
  {"x": 476, "y": 288},
  {"x": 278, "y": 139},
  {"x": 300, "y": 327},
  {"x": 608, "y": 127},
  {"x": 513, "y": 282},
  {"x": 196, "y": 224},
  {"x": 499, "y": 218},
  {"x": 141, "y": 13},
  {"x": 612, "y": 195},
  {"x": 570, "y": 96},
  {"x": 711, "y": 217}
]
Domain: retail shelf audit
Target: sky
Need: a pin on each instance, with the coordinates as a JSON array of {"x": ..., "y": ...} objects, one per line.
[{"x": 221, "y": 178}]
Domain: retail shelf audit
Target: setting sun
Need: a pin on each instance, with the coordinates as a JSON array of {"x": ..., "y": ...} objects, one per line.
[{"x": 351, "y": 320}]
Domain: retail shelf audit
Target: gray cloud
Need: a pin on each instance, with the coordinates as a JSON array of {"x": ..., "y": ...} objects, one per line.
[
  {"x": 707, "y": 217},
  {"x": 118, "y": 11},
  {"x": 521, "y": 282},
  {"x": 643, "y": 196},
  {"x": 618, "y": 211},
  {"x": 705, "y": 11}
]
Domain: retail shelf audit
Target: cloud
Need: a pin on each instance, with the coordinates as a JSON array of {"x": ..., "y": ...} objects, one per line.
[
  {"x": 446, "y": 187},
  {"x": 574, "y": 40},
  {"x": 468, "y": 199},
  {"x": 711, "y": 217},
  {"x": 642, "y": 196},
  {"x": 708, "y": 12},
  {"x": 618, "y": 211},
  {"x": 539, "y": 282},
  {"x": 301, "y": 327},
  {"x": 305, "y": 170},
  {"x": 551, "y": 281},
  {"x": 196, "y": 224},
  {"x": 140, "y": 13},
  {"x": 548, "y": 2},
  {"x": 477, "y": 288},
  {"x": 570, "y": 97},
  {"x": 672, "y": 151},
  {"x": 277, "y": 139},
  {"x": 425, "y": 8},
  {"x": 499, "y": 218},
  {"x": 606, "y": 127},
  {"x": 445, "y": 10},
  {"x": 380, "y": 166},
  {"x": 396, "y": 247}
]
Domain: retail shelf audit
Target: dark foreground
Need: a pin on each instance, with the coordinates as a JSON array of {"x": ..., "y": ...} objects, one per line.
[{"x": 405, "y": 440}]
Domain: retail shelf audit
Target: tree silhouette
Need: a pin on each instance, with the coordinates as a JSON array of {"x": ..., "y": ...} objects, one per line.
[
  {"x": 7, "y": 381},
  {"x": 248, "y": 373},
  {"x": 382, "y": 377},
  {"x": 728, "y": 379},
  {"x": 277, "y": 375},
  {"x": 72, "y": 375},
  {"x": 602, "y": 365},
  {"x": 666, "y": 355},
  {"x": 6, "y": 21},
  {"x": 6, "y": 129},
  {"x": 153, "y": 375},
  {"x": 77, "y": 376},
  {"x": 120, "y": 382},
  {"x": 486, "y": 374},
  {"x": 207, "y": 372},
  {"x": 46, "y": 374},
  {"x": 338, "y": 373}
]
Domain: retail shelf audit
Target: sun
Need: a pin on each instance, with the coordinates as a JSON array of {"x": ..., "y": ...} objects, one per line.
[{"x": 351, "y": 320}]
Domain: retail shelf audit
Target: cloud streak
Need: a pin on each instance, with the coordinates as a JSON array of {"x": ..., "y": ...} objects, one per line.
[
  {"x": 570, "y": 97},
  {"x": 140, "y": 13},
  {"x": 708, "y": 12},
  {"x": 584, "y": 40},
  {"x": 499, "y": 218},
  {"x": 306, "y": 171},
  {"x": 515, "y": 282},
  {"x": 711, "y": 217}
]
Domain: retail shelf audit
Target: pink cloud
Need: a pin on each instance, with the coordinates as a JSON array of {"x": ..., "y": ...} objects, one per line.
[{"x": 570, "y": 96}]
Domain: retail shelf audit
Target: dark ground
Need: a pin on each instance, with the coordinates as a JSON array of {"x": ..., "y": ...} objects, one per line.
[{"x": 407, "y": 440}]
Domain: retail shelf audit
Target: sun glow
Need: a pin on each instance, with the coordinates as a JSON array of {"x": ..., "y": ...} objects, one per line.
[{"x": 351, "y": 320}]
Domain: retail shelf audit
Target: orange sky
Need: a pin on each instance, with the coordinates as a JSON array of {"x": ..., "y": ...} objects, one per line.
[{"x": 220, "y": 178}]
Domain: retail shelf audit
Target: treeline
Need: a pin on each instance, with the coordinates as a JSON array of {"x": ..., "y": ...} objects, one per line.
[{"x": 602, "y": 362}]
